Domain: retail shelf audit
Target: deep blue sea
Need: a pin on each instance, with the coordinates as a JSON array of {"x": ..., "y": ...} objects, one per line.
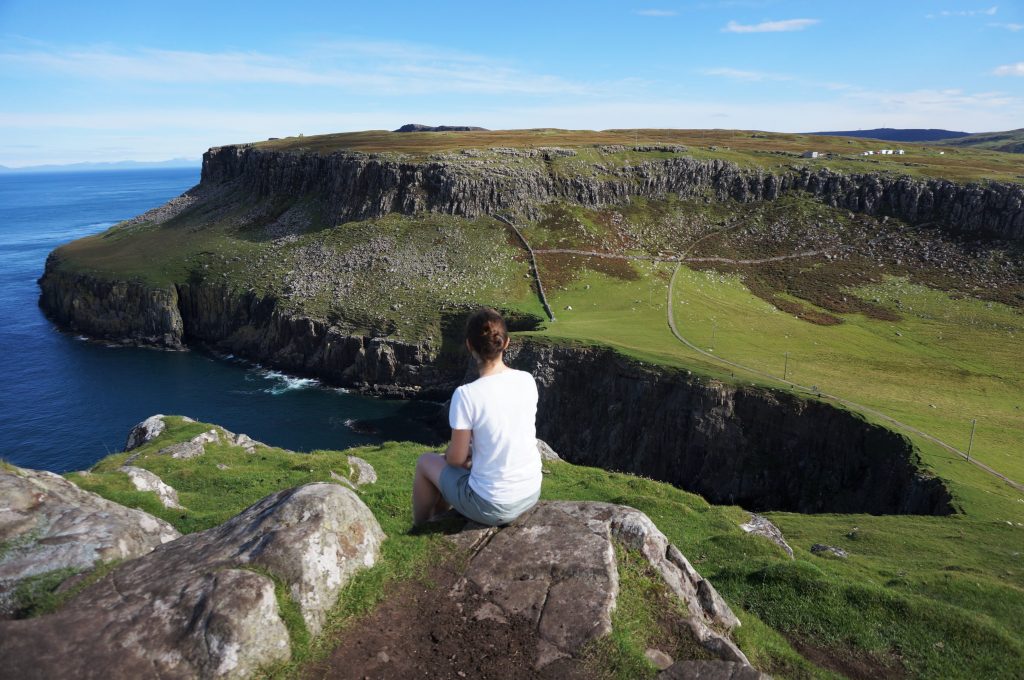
[{"x": 65, "y": 402}]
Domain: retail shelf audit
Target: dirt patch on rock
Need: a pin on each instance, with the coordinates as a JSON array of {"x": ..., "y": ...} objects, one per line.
[{"x": 421, "y": 631}]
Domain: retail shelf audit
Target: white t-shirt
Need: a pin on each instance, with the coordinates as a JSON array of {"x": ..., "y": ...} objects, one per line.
[{"x": 501, "y": 410}]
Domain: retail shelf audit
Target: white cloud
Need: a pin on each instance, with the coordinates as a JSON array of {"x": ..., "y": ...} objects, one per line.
[
  {"x": 771, "y": 26},
  {"x": 657, "y": 12},
  {"x": 1010, "y": 69},
  {"x": 988, "y": 12},
  {"x": 749, "y": 76},
  {"x": 1009, "y": 27},
  {"x": 361, "y": 67}
]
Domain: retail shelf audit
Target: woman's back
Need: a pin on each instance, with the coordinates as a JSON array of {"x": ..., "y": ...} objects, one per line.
[{"x": 501, "y": 410}]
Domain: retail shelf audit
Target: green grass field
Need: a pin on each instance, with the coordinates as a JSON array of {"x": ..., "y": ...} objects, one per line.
[{"x": 947, "y": 607}]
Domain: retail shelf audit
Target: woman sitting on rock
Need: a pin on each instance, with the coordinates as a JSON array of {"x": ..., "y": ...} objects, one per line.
[{"x": 493, "y": 421}]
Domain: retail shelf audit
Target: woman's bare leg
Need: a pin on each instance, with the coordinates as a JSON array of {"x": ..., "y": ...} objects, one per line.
[{"x": 426, "y": 494}]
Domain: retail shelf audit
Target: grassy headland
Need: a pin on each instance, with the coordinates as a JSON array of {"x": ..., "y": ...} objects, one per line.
[{"x": 914, "y": 322}]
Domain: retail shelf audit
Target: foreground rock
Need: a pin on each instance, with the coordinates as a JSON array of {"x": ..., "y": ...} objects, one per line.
[
  {"x": 48, "y": 523},
  {"x": 555, "y": 566},
  {"x": 200, "y": 606}
]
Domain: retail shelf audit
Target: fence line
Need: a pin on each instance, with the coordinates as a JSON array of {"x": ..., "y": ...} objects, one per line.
[{"x": 533, "y": 263}]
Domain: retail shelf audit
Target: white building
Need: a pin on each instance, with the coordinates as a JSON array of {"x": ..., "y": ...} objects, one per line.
[
  {"x": 886, "y": 152},
  {"x": 810, "y": 154},
  {"x": 899, "y": 152}
]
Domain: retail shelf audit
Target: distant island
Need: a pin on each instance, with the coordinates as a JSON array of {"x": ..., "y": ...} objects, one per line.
[{"x": 113, "y": 165}]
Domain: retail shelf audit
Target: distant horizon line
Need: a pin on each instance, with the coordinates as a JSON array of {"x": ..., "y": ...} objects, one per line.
[{"x": 126, "y": 164}]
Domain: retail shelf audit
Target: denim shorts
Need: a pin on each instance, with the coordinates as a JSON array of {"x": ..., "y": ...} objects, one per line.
[{"x": 456, "y": 490}]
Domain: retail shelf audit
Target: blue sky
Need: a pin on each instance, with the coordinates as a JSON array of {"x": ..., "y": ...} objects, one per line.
[{"x": 149, "y": 81}]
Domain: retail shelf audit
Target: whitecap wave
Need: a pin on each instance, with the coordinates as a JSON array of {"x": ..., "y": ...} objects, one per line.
[{"x": 286, "y": 383}]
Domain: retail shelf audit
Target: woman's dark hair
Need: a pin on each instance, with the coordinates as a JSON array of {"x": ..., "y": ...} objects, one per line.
[{"x": 486, "y": 333}]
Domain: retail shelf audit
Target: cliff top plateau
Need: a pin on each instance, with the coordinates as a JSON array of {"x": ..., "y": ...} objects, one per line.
[{"x": 748, "y": 148}]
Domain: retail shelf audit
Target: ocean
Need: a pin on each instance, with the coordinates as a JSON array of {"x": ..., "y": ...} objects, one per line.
[{"x": 66, "y": 402}]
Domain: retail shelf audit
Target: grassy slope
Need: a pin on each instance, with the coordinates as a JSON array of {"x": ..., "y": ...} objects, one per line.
[
  {"x": 867, "y": 610},
  {"x": 1011, "y": 141},
  {"x": 748, "y": 148}
]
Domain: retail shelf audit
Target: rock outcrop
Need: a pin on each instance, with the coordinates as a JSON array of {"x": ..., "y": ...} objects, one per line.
[
  {"x": 196, "y": 446},
  {"x": 47, "y": 523},
  {"x": 556, "y": 567},
  {"x": 145, "y": 432},
  {"x": 759, "y": 525},
  {"x": 144, "y": 480},
  {"x": 201, "y": 606}
]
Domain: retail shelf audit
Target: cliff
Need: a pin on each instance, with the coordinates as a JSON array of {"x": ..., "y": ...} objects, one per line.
[
  {"x": 759, "y": 448},
  {"x": 355, "y": 186}
]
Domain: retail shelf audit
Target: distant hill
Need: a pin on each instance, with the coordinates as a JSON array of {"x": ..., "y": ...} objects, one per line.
[
  {"x": 897, "y": 135},
  {"x": 115, "y": 165},
  {"x": 1011, "y": 141},
  {"x": 417, "y": 127}
]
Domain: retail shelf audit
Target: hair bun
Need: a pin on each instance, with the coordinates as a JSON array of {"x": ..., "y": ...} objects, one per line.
[{"x": 487, "y": 333}]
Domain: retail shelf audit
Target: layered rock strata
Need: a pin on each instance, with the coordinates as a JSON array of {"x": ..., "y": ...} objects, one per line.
[{"x": 355, "y": 186}]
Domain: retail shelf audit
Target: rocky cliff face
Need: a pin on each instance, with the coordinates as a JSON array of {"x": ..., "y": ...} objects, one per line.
[
  {"x": 749, "y": 446},
  {"x": 256, "y": 328},
  {"x": 354, "y": 186},
  {"x": 121, "y": 311},
  {"x": 754, "y": 447}
]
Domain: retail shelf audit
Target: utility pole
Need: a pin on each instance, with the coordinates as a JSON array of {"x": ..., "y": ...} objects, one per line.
[
  {"x": 714, "y": 328},
  {"x": 974, "y": 425},
  {"x": 785, "y": 370}
]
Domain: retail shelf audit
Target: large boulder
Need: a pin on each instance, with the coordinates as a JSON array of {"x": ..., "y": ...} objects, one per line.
[
  {"x": 556, "y": 567},
  {"x": 202, "y": 606},
  {"x": 47, "y": 523}
]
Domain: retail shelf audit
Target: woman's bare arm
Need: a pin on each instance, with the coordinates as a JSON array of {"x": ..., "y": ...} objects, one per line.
[{"x": 458, "y": 449}]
